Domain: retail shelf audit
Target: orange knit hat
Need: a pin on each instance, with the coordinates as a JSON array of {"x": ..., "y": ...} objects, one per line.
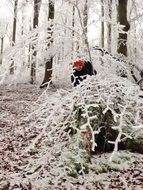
[{"x": 79, "y": 62}]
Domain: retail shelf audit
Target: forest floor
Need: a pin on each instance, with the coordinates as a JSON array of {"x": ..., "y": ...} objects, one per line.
[{"x": 17, "y": 131}]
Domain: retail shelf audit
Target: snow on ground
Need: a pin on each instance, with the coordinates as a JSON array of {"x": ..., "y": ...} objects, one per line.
[{"x": 31, "y": 146}]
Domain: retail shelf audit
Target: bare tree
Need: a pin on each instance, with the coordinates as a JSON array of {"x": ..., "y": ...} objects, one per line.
[
  {"x": 122, "y": 39},
  {"x": 122, "y": 19},
  {"x": 49, "y": 60},
  {"x": 102, "y": 23},
  {"x": 14, "y": 32},
  {"x": 2, "y": 36},
  {"x": 73, "y": 32},
  {"x": 85, "y": 20},
  {"x": 1, "y": 51},
  {"x": 109, "y": 28},
  {"x": 37, "y": 4}
]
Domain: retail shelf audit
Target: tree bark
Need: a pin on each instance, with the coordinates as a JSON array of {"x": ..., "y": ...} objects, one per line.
[
  {"x": 85, "y": 20},
  {"x": 122, "y": 19},
  {"x": 73, "y": 33},
  {"x": 102, "y": 23},
  {"x": 37, "y": 4},
  {"x": 85, "y": 26},
  {"x": 49, "y": 61},
  {"x": 1, "y": 51},
  {"x": 14, "y": 33},
  {"x": 109, "y": 26}
]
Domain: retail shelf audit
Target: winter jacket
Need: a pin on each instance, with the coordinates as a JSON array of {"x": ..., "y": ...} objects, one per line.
[{"x": 78, "y": 76}]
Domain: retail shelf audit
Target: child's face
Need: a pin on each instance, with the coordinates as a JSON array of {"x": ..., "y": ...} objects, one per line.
[{"x": 78, "y": 67}]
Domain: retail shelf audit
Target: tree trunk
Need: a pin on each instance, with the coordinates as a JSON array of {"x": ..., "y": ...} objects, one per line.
[
  {"x": 73, "y": 33},
  {"x": 102, "y": 23},
  {"x": 1, "y": 51},
  {"x": 49, "y": 61},
  {"x": 102, "y": 29},
  {"x": 85, "y": 23},
  {"x": 85, "y": 20},
  {"x": 122, "y": 19},
  {"x": 37, "y": 4},
  {"x": 14, "y": 33},
  {"x": 29, "y": 49},
  {"x": 109, "y": 26}
]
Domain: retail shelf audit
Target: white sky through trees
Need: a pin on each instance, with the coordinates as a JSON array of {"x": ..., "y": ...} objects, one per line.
[{"x": 6, "y": 14}]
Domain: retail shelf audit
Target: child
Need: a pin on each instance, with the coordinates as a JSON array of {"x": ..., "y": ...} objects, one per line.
[{"x": 81, "y": 69}]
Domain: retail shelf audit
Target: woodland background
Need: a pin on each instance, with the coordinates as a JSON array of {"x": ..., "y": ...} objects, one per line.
[{"x": 55, "y": 136}]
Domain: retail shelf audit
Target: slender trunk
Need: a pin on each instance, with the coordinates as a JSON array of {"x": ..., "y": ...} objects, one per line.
[
  {"x": 122, "y": 39},
  {"x": 85, "y": 23},
  {"x": 102, "y": 23},
  {"x": 73, "y": 34},
  {"x": 122, "y": 19},
  {"x": 1, "y": 51},
  {"x": 29, "y": 48},
  {"x": 14, "y": 33},
  {"x": 85, "y": 20},
  {"x": 22, "y": 32},
  {"x": 37, "y": 4},
  {"x": 109, "y": 26},
  {"x": 102, "y": 29},
  {"x": 49, "y": 61}
]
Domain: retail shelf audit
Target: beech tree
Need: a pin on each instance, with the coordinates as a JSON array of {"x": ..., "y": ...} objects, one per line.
[
  {"x": 109, "y": 25},
  {"x": 2, "y": 36},
  {"x": 73, "y": 32},
  {"x": 85, "y": 20},
  {"x": 102, "y": 23},
  {"x": 14, "y": 32},
  {"x": 1, "y": 51},
  {"x": 37, "y": 4},
  {"x": 49, "y": 61},
  {"x": 122, "y": 19}
]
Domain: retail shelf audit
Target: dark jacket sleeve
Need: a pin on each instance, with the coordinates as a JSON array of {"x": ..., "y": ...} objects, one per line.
[
  {"x": 89, "y": 68},
  {"x": 72, "y": 78},
  {"x": 94, "y": 72}
]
